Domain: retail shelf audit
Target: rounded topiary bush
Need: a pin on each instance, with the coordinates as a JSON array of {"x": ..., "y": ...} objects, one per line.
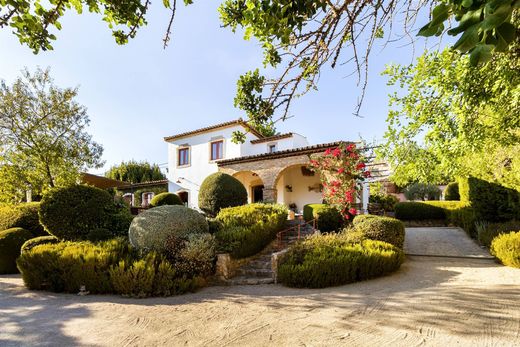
[
  {"x": 40, "y": 240},
  {"x": 451, "y": 192},
  {"x": 22, "y": 216},
  {"x": 506, "y": 247},
  {"x": 166, "y": 199},
  {"x": 378, "y": 228},
  {"x": 11, "y": 241},
  {"x": 151, "y": 229},
  {"x": 219, "y": 191},
  {"x": 72, "y": 213},
  {"x": 328, "y": 218}
]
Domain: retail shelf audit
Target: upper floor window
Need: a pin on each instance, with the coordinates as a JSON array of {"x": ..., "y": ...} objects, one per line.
[
  {"x": 272, "y": 148},
  {"x": 184, "y": 156},
  {"x": 217, "y": 150}
]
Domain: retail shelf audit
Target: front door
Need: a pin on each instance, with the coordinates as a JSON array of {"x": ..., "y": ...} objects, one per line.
[{"x": 258, "y": 193}]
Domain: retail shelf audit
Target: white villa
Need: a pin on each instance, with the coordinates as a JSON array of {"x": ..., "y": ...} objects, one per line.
[{"x": 272, "y": 169}]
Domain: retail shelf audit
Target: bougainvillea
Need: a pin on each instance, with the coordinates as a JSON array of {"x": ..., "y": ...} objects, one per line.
[{"x": 341, "y": 169}]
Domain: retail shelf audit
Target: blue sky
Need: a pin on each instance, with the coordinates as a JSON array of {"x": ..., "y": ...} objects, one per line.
[{"x": 138, "y": 93}]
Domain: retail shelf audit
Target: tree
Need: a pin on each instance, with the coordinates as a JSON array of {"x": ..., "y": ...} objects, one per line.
[
  {"x": 452, "y": 119},
  {"x": 44, "y": 139},
  {"x": 302, "y": 36},
  {"x": 135, "y": 172}
]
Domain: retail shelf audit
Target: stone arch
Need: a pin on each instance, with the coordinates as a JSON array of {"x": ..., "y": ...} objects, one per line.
[{"x": 253, "y": 183}]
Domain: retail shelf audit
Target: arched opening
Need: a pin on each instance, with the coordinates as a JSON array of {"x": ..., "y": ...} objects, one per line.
[
  {"x": 184, "y": 197},
  {"x": 297, "y": 186},
  {"x": 253, "y": 184},
  {"x": 129, "y": 199}
]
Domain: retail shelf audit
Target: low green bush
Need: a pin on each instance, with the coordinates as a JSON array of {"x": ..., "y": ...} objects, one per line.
[
  {"x": 72, "y": 213},
  {"x": 22, "y": 216},
  {"x": 106, "y": 267},
  {"x": 328, "y": 218},
  {"x": 246, "y": 230},
  {"x": 331, "y": 260},
  {"x": 40, "y": 240},
  {"x": 386, "y": 201},
  {"x": 220, "y": 190},
  {"x": 486, "y": 232},
  {"x": 166, "y": 199},
  {"x": 193, "y": 255},
  {"x": 11, "y": 241},
  {"x": 379, "y": 228},
  {"x": 506, "y": 247},
  {"x": 464, "y": 217},
  {"x": 451, "y": 192},
  {"x": 418, "y": 211},
  {"x": 150, "y": 229}
]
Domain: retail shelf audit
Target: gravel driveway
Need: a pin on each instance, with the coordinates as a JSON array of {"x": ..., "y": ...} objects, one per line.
[{"x": 429, "y": 301}]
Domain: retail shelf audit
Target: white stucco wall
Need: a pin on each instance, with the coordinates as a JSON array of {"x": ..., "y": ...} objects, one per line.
[{"x": 300, "y": 194}]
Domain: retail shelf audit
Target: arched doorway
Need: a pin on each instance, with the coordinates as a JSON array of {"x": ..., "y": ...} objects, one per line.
[
  {"x": 297, "y": 186},
  {"x": 253, "y": 184},
  {"x": 184, "y": 197}
]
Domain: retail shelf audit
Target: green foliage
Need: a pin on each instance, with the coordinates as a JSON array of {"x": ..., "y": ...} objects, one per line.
[
  {"x": 40, "y": 240},
  {"x": 486, "y": 232},
  {"x": 246, "y": 230},
  {"x": 135, "y": 172},
  {"x": 73, "y": 212},
  {"x": 192, "y": 255},
  {"x": 506, "y": 248},
  {"x": 379, "y": 228},
  {"x": 165, "y": 199},
  {"x": 386, "y": 201},
  {"x": 451, "y": 192},
  {"x": 418, "y": 211},
  {"x": 491, "y": 201},
  {"x": 449, "y": 119},
  {"x": 106, "y": 267},
  {"x": 138, "y": 198},
  {"x": 21, "y": 216},
  {"x": 330, "y": 260},
  {"x": 328, "y": 217},
  {"x": 44, "y": 139},
  {"x": 219, "y": 191},
  {"x": 11, "y": 241},
  {"x": 214, "y": 225},
  {"x": 150, "y": 229},
  {"x": 422, "y": 191}
]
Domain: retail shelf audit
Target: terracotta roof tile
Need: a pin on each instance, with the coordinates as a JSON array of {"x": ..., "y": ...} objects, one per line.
[
  {"x": 272, "y": 138},
  {"x": 143, "y": 184}
]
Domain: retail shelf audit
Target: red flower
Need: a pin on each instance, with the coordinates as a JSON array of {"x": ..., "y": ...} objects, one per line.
[
  {"x": 354, "y": 155},
  {"x": 328, "y": 151},
  {"x": 367, "y": 174},
  {"x": 351, "y": 147},
  {"x": 336, "y": 152},
  {"x": 341, "y": 170},
  {"x": 352, "y": 211},
  {"x": 314, "y": 163},
  {"x": 360, "y": 166}
]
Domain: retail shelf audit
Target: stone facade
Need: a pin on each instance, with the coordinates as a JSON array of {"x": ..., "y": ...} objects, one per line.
[{"x": 269, "y": 170}]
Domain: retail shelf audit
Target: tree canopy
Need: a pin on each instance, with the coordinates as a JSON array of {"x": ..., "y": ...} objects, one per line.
[
  {"x": 44, "y": 139},
  {"x": 451, "y": 119},
  {"x": 135, "y": 172}
]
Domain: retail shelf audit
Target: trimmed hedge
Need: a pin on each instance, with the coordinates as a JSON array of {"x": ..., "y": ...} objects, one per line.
[
  {"x": 11, "y": 241},
  {"x": 22, "y": 216},
  {"x": 72, "y": 213},
  {"x": 486, "y": 232},
  {"x": 386, "y": 201},
  {"x": 106, "y": 267},
  {"x": 220, "y": 190},
  {"x": 166, "y": 199},
  {"x": 506, "y": 248},
  {"x": 40, "y": 240},
  {"x": 150, "y": 229},
  {"x": 490, "y": 201},
  {"x": 246, "y": 230},
  {"x": 328, "y": 218},
  {"x": 418, "y": 211},
  {"x": 379, "y": 228},
  {"x": 331, "y": 260},
  {"x": 451, "y": 192}
]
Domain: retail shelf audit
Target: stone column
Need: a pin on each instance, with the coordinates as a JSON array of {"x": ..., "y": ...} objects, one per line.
[{"x": 269, "y": 194}]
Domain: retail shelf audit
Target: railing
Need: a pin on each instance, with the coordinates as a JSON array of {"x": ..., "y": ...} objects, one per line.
[{"x": 297, "y": 229}]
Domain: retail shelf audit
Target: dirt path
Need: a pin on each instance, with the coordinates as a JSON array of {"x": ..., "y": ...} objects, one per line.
[{"x": 429, "y": 301}]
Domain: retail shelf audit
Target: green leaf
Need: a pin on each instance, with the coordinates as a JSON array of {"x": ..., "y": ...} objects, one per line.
[
  {"x": 494, "y": 20},
  {"x": 469, "y": 18},
  {"x": 467, "y": 3},
  {"x": 505, "y": 34},
  {"x": 480, "y": 54},
  {"x": 468, "y": 40}
]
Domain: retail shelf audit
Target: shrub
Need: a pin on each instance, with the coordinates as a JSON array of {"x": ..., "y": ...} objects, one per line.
[
  {"x": 463, "y": 217},
  {"x": 379, "y": 228},
  {"x": 214, "y": 225},
  {"x": 72, "y": 213},
  {"x": 490, "y": 201},
  {"x": 422, "y": 191},
  {"x": 418, "y": 211},
  {"x": 150, "y": 229},
  {"x": 387, "y": 202},
  {"x": 166, "y": 199},
  {"x": 506, "y": 248},
  {"x": 11, "y": 241},
  {"x": 451, "y": 192},
  {"x": 21, "y": 216},
  {"x": 246, "y": 230},
  {"x": 40, "y": 240},
  {"x": 328, "y": 218},
  {"x": 331, "y": 260},
  {"x": 486, "y": 232},
  {"x": 219, "y": 191}
]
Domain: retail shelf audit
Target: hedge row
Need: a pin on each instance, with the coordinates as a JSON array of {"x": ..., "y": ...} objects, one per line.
[
  {"x": 506, "y": 247},
  {"x": 379, "y": 228},
  {"x": 246, "y": 230},
  {"x": 11, "y": 241},
  {"x": 328, "y": 218},
  {"x": 22, "y": 216},
  {"x": 331, "y": 260}
]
